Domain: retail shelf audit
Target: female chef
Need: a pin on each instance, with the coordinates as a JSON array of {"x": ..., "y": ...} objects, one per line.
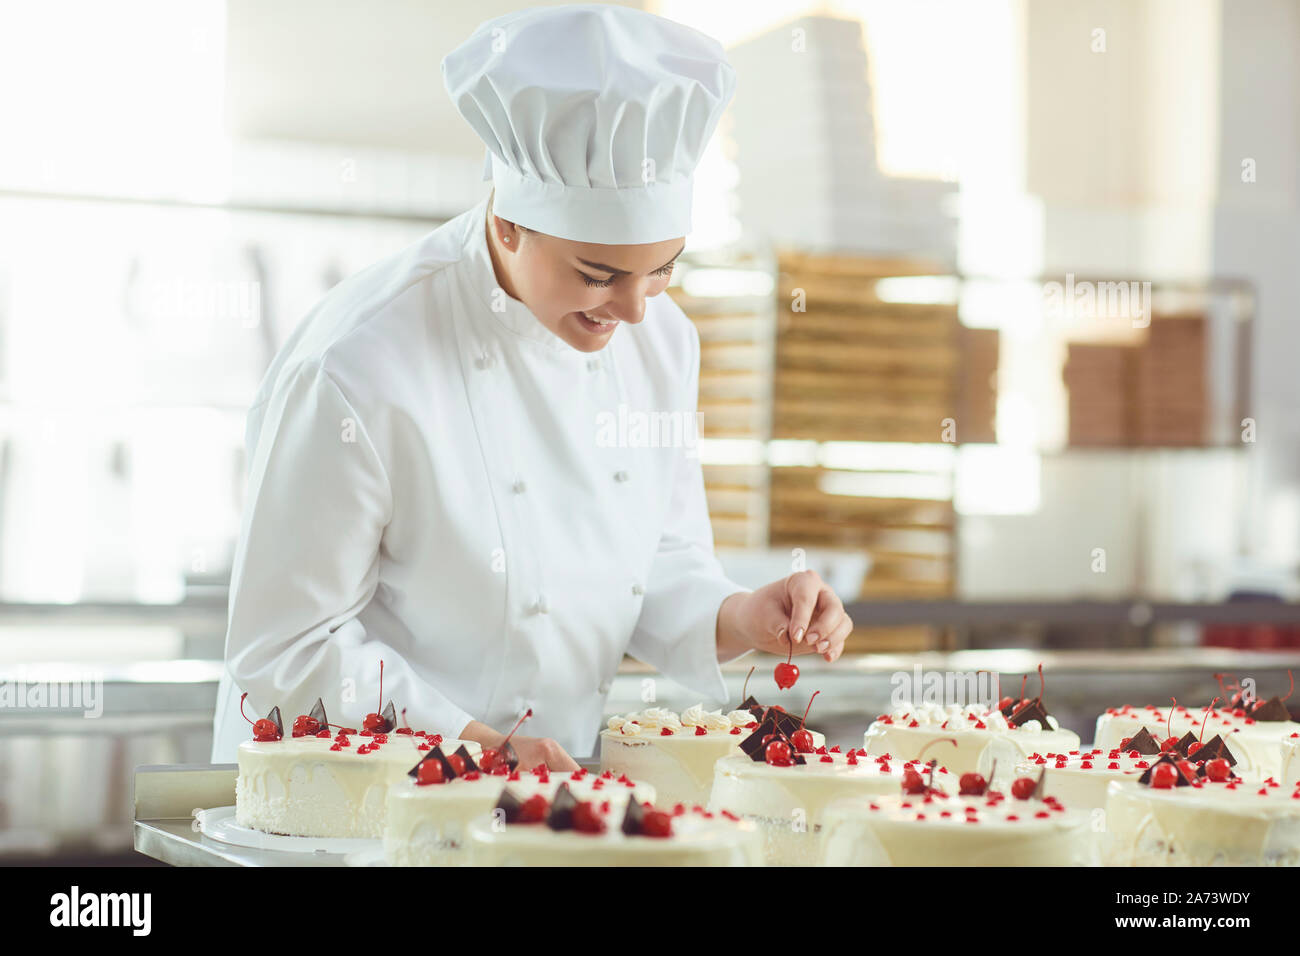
[{"x": 429, "y": 481}]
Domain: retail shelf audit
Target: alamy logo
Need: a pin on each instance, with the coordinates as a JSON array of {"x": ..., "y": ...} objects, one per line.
[
  {"x": 102, "y": 909},
  {"x": 29, "y": 691},
  {"x": 632, "y": 428},
  {"x": 942, "y": 687}
]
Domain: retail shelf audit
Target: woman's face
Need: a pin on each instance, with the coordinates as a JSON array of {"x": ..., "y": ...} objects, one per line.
[{"x": 568, "y": 284}]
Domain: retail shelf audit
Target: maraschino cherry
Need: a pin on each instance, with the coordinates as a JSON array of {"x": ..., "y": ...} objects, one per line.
[
  {"x": 430, "y": 772},
  {"x": 374, "y": 722},
  {"x": 264, "y": 730},
  {"x": 786, "y": 672},
  {"x": 1023, "y": 788},
  {"x": 497, "y": 759},
  {"x": 803, "y": 738},
  {"x": 974, "y": 785},
  {"x": 777, "y": 753},
  {"x": 1170, "y": 743},
  {"x": 1196, "y": 745},
  {"x": 1217, "y": 770},
  {"x": 1164, "y": 776}
]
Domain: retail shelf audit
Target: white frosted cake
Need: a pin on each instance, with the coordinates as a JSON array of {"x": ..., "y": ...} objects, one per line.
[
  {"x": 575, "y": 833},
  {"x": 322, "y": 785},
  {"x": 676, "y": 753},
  {"x": 1204, "y": 823},
  {"x": 1255, "y": 743},
  {"x": 982, "y": 735},
  {"x": 427, "y": 822},
  {"x": 786, "y": 803},
  {"x": 940, "y": 829}
]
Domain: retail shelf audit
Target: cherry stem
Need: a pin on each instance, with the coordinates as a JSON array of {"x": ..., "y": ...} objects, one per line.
[
  {"x": 790, "y": 656},
  {"x": 744, "y": 690},
  {"x": 1169, "y": 724},
  {"x": 988, "y": 784},
  {"x": 1222, "y": 689},
  {"x": 808, "y": 708},
  {"x": 1291, "y": 678},
  {"x": 381, "y": 686},
  {"x": 404, "y": 720},
  {"x": 1023, "y": 678},
  {"x": 241, "y": 706},
  {"x": 528, "y": 713},
  {"x": 1042, "y": 684},
  {"x": 1206, "y": 718}
]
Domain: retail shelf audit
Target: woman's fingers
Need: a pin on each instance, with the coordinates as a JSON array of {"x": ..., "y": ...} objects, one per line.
[
  {"x": 802, "y": 588},
  {"x": 835, "y": 642},
  {"x": 826, "y": 618}
]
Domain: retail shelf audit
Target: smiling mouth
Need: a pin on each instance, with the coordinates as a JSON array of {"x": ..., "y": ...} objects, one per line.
[{"x": 596, "y": 325}]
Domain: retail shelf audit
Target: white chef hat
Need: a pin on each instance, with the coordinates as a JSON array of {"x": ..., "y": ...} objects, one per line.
[{"x": 594, "y": 117}]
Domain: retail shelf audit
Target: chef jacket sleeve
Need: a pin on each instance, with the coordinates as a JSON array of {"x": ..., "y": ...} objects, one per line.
[
  {"x": 677, "y": 629},
  {"x": 308, "y": 562}
]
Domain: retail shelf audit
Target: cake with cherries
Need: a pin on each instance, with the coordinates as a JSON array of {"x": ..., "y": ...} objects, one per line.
[
  {"x": 1081, "y": 778},
  {"x": 317, "y": 783},
  {"x": 973, "y": 826},
  {"x": 1254, "y": 736},
  {"x": 567, "y": 831},
  {"x": 676, "y": 753},
  {"x": 1177, "y": 814},
  {"x": 1008, "y": 733},
  {"x": 782, "y": 782},
  {"x": 429, "y": 810}
]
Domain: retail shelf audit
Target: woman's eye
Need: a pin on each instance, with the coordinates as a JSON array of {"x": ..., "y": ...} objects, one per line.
[
  {"x": 602, "y": 283},
  {"x": 665, "y": 271}
]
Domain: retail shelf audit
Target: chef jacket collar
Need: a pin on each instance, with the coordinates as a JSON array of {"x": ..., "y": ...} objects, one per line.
[{"x": 514, "y": 315}]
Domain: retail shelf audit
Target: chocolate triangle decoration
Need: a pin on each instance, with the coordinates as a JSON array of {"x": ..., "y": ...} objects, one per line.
[
  {"x": 389, "y": 718},
  {"x": 1180, "y": 779},
  {"x": 754, "y": 747},
  {"x": 1033, "y": 710},
  {"x": 463, "y": 753},
  {"x": 274, "y": 717},
  {"x": 1010, "y": 709},
  {"x": 435, "y": 753},
  {"x": 752, "y": 705},
  {"x": 634, "y": 817},
  {"x": 1213, "y": 749},
  {"x": 509, "y": 805},
  {"x": 562, "y": 807},
  {"x": 1143, "y": 743},
  {"x": 1185, "y": 741},
  {"x": 318, "y": 714},
  {"x": 1273, "y": 710}
]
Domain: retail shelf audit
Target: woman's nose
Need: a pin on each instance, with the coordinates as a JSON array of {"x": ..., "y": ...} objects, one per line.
[{"x": 628, "y": 305}]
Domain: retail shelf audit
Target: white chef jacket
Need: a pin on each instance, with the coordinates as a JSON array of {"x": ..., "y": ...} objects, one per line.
[{"x": 427, "y": 484}]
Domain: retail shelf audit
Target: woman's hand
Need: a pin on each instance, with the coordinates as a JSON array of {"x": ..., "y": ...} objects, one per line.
[
  {"x": 531, "y": 750},
  {"x": 799, "y": 608},
  {"x": 535, "y": 750}
]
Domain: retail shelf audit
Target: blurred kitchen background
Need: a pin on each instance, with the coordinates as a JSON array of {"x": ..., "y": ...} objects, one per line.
[{"x": 996, "y": 299}]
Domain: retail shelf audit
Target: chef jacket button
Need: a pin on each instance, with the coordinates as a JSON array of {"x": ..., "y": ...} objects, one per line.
[
  {"x": 638, "y": 590},
  {"x": 518, "y": 487},
  {"x": 604, "y": 687},
  {"x": 620, "y": 476},
  {"x": 593, "y": 365},
  {"x": 484, "y": 361},
  {"x": 540, "y": 605}
]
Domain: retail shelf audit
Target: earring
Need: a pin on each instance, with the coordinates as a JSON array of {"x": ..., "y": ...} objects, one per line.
[{"x": 505, "y": 238}]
